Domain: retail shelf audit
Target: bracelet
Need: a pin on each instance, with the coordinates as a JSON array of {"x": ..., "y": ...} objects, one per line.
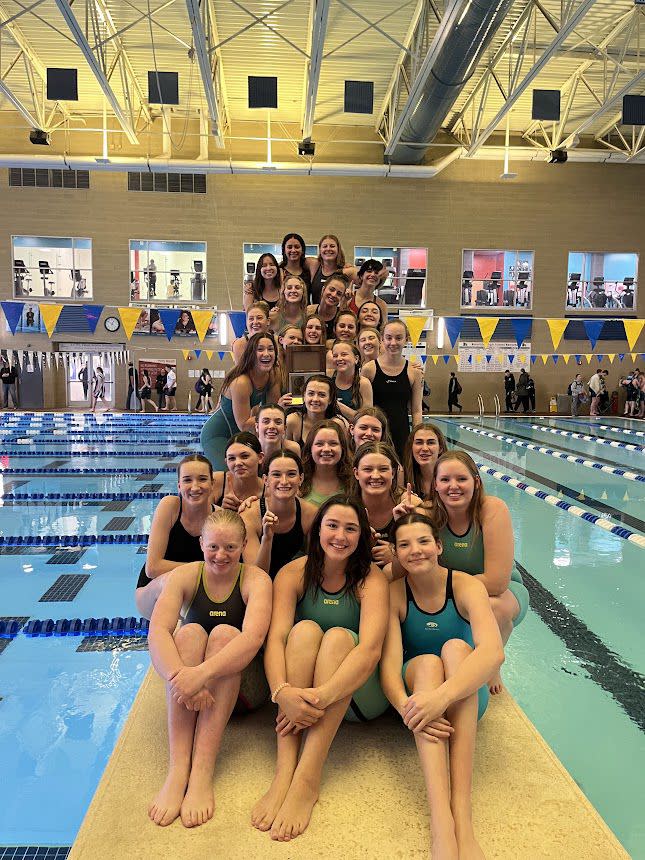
[{"x": 277, "y": 690}]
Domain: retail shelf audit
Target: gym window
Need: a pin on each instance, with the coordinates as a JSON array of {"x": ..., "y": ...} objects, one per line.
[
  {"x": 52, "y": 267},
  {"x": 163, "y": 271},
  {"x": 497, "y": 279},
  {"x": 601, "y": 282}
]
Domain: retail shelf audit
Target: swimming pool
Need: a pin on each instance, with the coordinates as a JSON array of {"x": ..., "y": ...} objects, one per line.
[{"x": 575, "y": 665}]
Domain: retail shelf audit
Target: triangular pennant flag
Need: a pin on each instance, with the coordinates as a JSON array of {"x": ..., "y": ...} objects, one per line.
[
  {"x": 238, "y": 321},
  {"x": 556, "y": 328},
  {"x": 415, "y": 327},
  {"x": 436, "y": 358},
  {"x": 577, "y": 358},
  {"x": 129, "y": 318},
  {"x": 169, "y": 317},
  {"x": 510, "y": 358},
  {"x": 633, "y": 329},
  {"x": 611, "y": 356},
  {"x": 221, "y": 355},
  {"x": 621, "y": 356},
  {"x": 555, "y": 358},
  {"x": 478, "y": 359},
  {"x": 488, "y": 359},
  {"x": 198, "y": 352},
  {"x": 487, "y": 326},
  {"x": 446, "y": 359},
  {"x": 92, "y": 315},
  {"x": 593, "y": 329},
  {"x": 202, "y": 320},
  {"x": 533, "y": 359},
  {"x": 50, "y": 314},
  {"x": 521, "y": 329},
  {"x": 12, "y": 312},
  {"x": 600, "y": 356},
  {"x": 566, "y": 357},
  {"x": 424, "y": 358},
  {"x": 545, "y": 358},
  {"x": 209, "y": 354},
  {"x": 185, "y": 353},
  {"x": 589, "y": 357},
  {"x": 470, "y": 359},
  {"x": 633, "y": 355},
  {"x": 453, "y": 328}
]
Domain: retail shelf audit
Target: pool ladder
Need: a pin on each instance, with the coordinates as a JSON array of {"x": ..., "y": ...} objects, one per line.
[{"x": 496, "y": 405}]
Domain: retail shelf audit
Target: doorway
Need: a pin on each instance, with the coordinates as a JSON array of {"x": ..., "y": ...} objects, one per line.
[{"x": 80, "y": 372}]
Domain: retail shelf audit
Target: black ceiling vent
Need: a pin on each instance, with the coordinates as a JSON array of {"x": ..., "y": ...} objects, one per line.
[
  {"x": 546, "y": 105},
  {"x": 62, "y": 85},
  {"x": 359, "y": 97},
  {"x": 28, "y": 177},
  {"x": 163, "y": 88},
  {"x": 263, "y": 92},
  {"x": 634, "y": 110},
  {"x": 188, "y": 183}
]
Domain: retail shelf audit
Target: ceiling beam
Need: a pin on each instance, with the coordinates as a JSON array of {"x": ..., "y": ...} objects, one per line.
[
  {"x": 319, "y": 15},
  {"x": 101, "y": 78},
  {"x": 19, "y": 106},
  {"x": 202, "y": 22},
  {"x": 607, "y": 105},
  {"x": 565, "y": 31}
]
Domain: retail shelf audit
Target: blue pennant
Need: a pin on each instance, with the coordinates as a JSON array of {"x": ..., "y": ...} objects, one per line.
[
  {"x": 593, "y": 329},
  {"x": 488, "y": 359},
  {"x": 446, "y": 359},
  {"x": 511, "y": 358},
  {"x": 621, "y": 356},
  {"x": 169, "y": 317},
  {"x": 221, "y": 355},
  {"x": 238, "y": 321},
  {"x": 555, "y": 358},
  {"x": 521, "y": 329},
  {"x": 198, "y": 352},
  {"x": 13, "y": 312},
  {"x": 453, "y": 327},
  {"x": 533, "y": 359},
  {"x": 93, "y": 315}
]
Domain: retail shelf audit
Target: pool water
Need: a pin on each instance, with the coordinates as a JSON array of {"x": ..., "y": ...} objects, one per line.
[{"x": 576, "y": 665}]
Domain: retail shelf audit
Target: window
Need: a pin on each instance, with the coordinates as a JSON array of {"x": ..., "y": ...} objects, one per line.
[
  {"x": 601, "y": 282},
  {"x": 167, "y": 271},
  {"x": 50, "y": 267},
  {"x": 253, "y": 251},
  {"x": 407, "y": 273},
  {"x": 497, "y": 279}
]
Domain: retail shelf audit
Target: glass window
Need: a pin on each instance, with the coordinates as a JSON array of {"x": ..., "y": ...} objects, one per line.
[
  {"x": 601, "y": 281},
  {"x": 51, "y": 267},
  {"x": 252, "y": 251},
  {"x": 407, "y": 273},
  {"x": 167, "y": 271},
  {"x": 497, "y": 279}
]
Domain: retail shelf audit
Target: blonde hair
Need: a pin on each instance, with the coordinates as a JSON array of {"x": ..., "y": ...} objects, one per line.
[
  {"x": 400, "y": 322},
  {"x": 224, "y": 517}
]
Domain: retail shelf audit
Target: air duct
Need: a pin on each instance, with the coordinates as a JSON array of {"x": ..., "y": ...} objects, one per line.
[{"x": 457, "y": 49}]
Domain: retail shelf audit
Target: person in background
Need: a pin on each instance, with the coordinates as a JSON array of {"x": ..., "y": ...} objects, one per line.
[
  {"x": 170, "y": 389},
  {"x": 204, "y": 388},
  {"x": 265, "y": 286},
  {"x": 595, "y": 388},
  {"x": 160, "y": 387},
  {"x": 530, "y": 388},
  {"x": 578, "y": 394},
  {"x": 454, "y": 390},
  {"x": 509, "y": 389},
  {"x": 632, "y": 394},
  {"x": 522, "y": 392},
  {"x": 131, "y": 400},
  {"x": 145, "y": 392},
  {"x": 8, "y": 377},
  {"x": 83, "y": 378},
  {"x": 98, "y": 387}
]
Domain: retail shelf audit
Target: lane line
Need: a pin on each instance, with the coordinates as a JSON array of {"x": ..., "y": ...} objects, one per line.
[{"x": 598, "y": 440}]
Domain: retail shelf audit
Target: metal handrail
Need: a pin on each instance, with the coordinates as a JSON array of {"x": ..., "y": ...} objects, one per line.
[
  {"x": 498, "y": 406},
  {"x": 480, "y": 402}
]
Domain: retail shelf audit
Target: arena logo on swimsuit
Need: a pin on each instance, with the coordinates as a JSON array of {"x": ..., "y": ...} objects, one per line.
[
  {"x": 217, "y": 613},
  {"x": 461, "y": 543},
  {"x": 329, "y": 602},
  {"x": 431, "y": 624}
]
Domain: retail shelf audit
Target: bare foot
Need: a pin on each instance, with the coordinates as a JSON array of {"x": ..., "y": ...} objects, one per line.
[
  {"x": 469, "y": 847},
  {"x": 444, "y": 847},
  {"x": 165, "y": 807},
  {"x": 294, "y": 814},
  {"x": 265, "y": 810},
  {"x": 198, "y": 804},
  {"x": 495, "y": 684}
]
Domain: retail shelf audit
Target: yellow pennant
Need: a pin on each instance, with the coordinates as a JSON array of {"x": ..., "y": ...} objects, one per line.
[
  {"x": 522, "y": 359},
  {"x": 487, "y": 326},
  {"x": 478, "y": 359},
  {"x": 633, "y": 355},
  {"x": 415, "y": 327},
  {"x": 209, "y": 353},
  {"x": 611, "y": 356},
  {"x": 202, "y": 320},
  {"x": 589, "y": 357},
  {"x": 129, "y": 318},
  {"x": 50, "y": 314},
  {"x": 566, "y": 356},
  {"x": 633, "y": 329},
  {"x": 545, "y": 357},
  {"x": 435, "y": 358},
  {"x": 556, "y": 328},
  {"x": 186, "y": 353}
]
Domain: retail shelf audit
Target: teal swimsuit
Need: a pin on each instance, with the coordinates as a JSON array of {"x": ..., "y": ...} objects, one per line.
[
  {"x": 466, "y": 553},
  {"x": 341, "y": 609},
  {"x": 427, "y": 632},
  {"x": 221, "y": 426}
]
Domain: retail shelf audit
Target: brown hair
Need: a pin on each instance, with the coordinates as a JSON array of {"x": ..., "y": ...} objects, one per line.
[
  {"x": 413, "y": 519},
  {"x": 386, "y": 451},
  {"x": 323, "y": 329},
  {"x": 439, "y": 512},
  {"x": 411, "y": 468},
  {"x": 343, "y": 467},
  {"x": 357, "y": 397},
  {"x": 194, "y": 458},
  {"x": 381, "y": 417},
  {"x": 248, "y": 360},
  {"x": 258, "y": 280}
]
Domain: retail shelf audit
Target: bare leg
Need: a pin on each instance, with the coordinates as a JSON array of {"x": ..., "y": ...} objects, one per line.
[
  {"x": 197, "y": 807},
  {"x": 505, "y": 609},
  {"x": 294, "y": 814},
  {"x": 463, "y": 718},
  {"x": 426, "y": 673},
  {"x": 300, "y": 656},
  {"x": 191, "y": 644},
  {"x": 146, "y": 596}
]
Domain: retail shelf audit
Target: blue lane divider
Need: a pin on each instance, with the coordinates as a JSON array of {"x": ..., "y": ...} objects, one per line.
[
  {"x": 560, "y": 455},
  {"x": 592, "y": 425},
  {"x": 613, "y": 443},
  {"x": 85, "y": 453},
  {"x": 117, "y": 626},
  {"x": 34, "y": 470},
  {"x": 622, "y": 430},
  {"x": 80, "y": 497},
  {"x": 575, "y": 510},
  {"x": 70, "y": 540}
]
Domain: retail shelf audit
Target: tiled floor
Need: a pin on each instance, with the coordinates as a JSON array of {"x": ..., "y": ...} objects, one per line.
[{"x": 65, "y": 588}]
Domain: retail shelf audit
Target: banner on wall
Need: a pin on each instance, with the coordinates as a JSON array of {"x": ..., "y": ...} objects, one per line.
[{"x": 473, "y": 356}]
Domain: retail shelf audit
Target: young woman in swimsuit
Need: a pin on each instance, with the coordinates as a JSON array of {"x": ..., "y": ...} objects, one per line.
[
  {"x": 352, "y": 390},
  {"x": 244, "y": 457},
  {"x": 369, "y": 425},
  {"x": 345, "y": 331},
  {"x": 175, "y": 530},
  {"x": 370, "y": 315},
  {"x": 257, "y": 322},
  {"x": 294, "y": 258},
  {"x": 325, "y": 462},
  {"x": 441, "y": 647},
  {"x": 271, "y": 429},
  {"x": 329, "y": 618},
  {"x": 225, "y": 609},
  {"x": 369, "y": 344},
  {"x": 477, "y": 537},
  {"x": 319, "y": 402},
  {"x": 425, "y": 445},
  {"x": 265, "y": 286},
  {"x": 314, "y": 331},
  {"x": 330, "y": 299},
  {"x": 330, "y": 260},
  {"x": 276, "y": 524},
  {"x": 292, "y": 305}
]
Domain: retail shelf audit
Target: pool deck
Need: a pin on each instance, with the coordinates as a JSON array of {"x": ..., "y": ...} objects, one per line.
[{"x": 373, "y": 800}]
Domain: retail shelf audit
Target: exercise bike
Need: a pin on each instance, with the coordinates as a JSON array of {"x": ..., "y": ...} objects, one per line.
[
  {"x": 175, "y": 282},
  {"x": 79, "y": 284}
]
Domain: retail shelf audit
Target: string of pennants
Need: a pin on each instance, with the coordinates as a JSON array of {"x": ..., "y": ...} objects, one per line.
[{"x": 29, "y": 357}]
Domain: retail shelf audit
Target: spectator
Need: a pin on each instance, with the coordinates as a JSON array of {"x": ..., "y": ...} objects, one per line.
[
  {"x": 522, "y": 392},
  {"x": 170, "y": 389},
  {"x": 84, "y": 380},
  {"x": 160, "y": 386},
  {"x": 530, "y": 387},
  {"x": 595, "y": 387},
  {"x": 509, "y": 389},
  {"x": 578, "y": 394},
  {"x": 603, "y": 399},
  {"x": 98, "y": 387},
  {"x": 454, "y": 390},
  {"x": 131, "y": 400},
  {"x": 8, "y": 377}
]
